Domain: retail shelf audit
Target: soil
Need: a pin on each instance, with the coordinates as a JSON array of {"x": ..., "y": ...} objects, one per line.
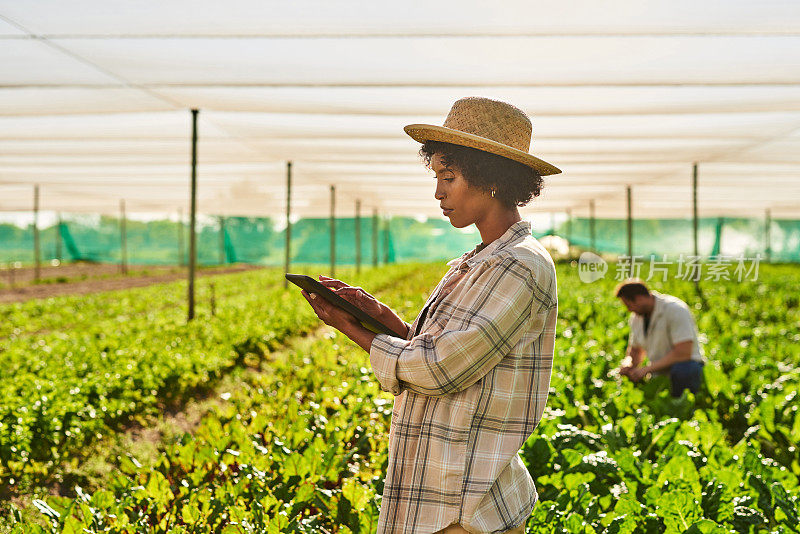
[{"x": 85, "y": 278}]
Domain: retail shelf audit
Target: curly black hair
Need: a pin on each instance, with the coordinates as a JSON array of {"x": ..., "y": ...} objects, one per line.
[{"x": 515, "y": 184}]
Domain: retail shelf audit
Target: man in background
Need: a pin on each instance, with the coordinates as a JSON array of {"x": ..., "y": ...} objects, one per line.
[{"x": 663, "y": 329}]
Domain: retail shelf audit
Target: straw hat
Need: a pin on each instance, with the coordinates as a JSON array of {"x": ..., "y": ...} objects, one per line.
[{"x": 488, "y": 125}]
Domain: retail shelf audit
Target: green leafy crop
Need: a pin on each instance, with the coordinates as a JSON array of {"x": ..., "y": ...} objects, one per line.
[{"x": 302, "y": 446}]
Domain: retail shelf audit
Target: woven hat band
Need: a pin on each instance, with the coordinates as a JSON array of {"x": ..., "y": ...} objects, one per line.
[{"x": 493, "y": 120}]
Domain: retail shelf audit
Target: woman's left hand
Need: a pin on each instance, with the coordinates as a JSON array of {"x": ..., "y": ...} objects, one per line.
[{"x": 331, "y": 315}]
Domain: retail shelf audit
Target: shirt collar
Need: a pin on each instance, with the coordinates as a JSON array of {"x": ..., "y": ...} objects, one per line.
[
  {"x": 658, "y": 305},
  {"x": 515, "y": 232}
]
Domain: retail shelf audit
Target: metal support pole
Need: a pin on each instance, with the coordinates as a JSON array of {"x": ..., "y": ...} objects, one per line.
[
  {"x": 37, "y": 256},
  {"x": 386, "y": 241},
  {"x": 630, "y": 225},
  {"x": 591, "y": 227},
  {"x": 333, "y": 231},
  {"x": 181, "y": 251},
  {"x": 694, "y": 208},
  {"x": 287, "y": 257},
  {"x": 768, "y": 236},
  {"x": 59, "y": 253},
  {"x": 222, "y": 257},
  {"x": 375, "y": 237},
  {"x": 695, "y": 223},
  {"x": 569, "y": 232},
  {"x": 123, "y": 238},
  {"x": 193, "y": 218},
  {"x": 358, "y": 236}
]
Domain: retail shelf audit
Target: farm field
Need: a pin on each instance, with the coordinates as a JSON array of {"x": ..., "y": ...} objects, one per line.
[
  {"x": 77, "y": 368},
  {"x": 80, "y": 278},
  {"x": 300, "y": 446}
]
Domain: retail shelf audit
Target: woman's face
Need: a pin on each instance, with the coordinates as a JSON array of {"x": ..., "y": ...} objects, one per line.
[{"x": 462, "y": 204}]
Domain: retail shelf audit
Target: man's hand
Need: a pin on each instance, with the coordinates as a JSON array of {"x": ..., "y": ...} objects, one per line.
[
  {"x": 638, "y": 374},
  {"x": 629, "y": 365}
]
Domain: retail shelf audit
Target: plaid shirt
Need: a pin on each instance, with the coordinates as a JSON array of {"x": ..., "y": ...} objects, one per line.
[{"x": 469, "y": 390}]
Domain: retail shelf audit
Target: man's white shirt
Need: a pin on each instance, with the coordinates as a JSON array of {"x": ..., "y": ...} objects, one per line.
[{"x": 671, "y": 322}]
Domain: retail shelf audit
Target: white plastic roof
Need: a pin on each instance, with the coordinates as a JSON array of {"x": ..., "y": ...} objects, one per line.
[{"x": 95, "y": 98}]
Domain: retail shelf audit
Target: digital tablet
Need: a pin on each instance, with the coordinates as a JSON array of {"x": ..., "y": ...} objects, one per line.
[{"x": 313, "y": 286}]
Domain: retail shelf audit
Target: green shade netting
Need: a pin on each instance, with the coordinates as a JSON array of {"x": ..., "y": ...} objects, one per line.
[
  {"x": 716, "y": 236},
  {"x": 259, "y": 241},
  {"x": 237, "y": 239}
]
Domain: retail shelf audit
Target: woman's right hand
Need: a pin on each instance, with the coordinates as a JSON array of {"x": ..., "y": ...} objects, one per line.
[
  {"x": 366, "y": 302},
  {"x": 355, "y": 295}
]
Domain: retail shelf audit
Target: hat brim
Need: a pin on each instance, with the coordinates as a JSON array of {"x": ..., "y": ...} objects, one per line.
[{"x": 430, "y": 132}]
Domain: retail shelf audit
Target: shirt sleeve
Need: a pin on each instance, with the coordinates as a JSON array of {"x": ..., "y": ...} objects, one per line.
[
  {"x": 681, "y": 325},
  {"x": 633, "y": 337},
  {"x": 408, "y": 327},
  {"x": 489, "y": 318}
]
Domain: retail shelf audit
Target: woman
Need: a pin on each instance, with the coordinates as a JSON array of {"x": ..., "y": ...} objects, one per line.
[{"x": 471, "y": 377}]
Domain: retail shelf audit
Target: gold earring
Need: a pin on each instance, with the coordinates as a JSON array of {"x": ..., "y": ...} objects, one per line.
[{"x": 493, "y": 192}]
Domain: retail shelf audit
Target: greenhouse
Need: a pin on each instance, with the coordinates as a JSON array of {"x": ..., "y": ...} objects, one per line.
[{"x": 165, "y": 161}]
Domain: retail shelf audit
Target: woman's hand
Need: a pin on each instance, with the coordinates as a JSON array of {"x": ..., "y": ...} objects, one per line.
[
  {"x": 366, "y": 302},
  {"x": 356, "y": 296},
  {"x": 338, "y": 318},
  {"x": 331, "y": 315}
]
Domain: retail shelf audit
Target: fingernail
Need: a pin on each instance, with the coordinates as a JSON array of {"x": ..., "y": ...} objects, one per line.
[{"x": 313, "y": 295}]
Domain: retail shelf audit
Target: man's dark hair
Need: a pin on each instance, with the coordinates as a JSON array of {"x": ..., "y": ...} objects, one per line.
[
  {"x": 630, "y": 289},
  {"x": 515, "y": 184}
]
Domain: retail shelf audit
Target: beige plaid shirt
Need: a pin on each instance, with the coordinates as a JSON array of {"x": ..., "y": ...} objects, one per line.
[{"x": 470, "y": 389}]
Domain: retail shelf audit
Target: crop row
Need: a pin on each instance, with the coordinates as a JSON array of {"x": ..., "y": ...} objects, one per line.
[
  {"x": 303, "y": 446},
  {"x": 78, "y": 368},
  {"x": 305, "y": 437}
]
